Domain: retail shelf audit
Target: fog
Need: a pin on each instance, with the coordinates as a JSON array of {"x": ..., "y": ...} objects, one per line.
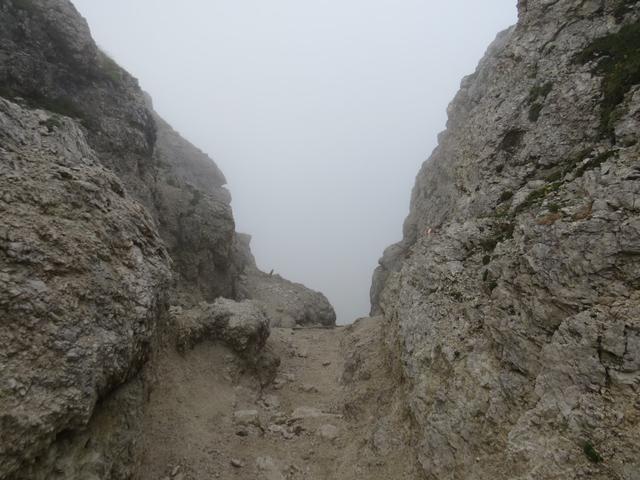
[{"x": 319, "y": 113}]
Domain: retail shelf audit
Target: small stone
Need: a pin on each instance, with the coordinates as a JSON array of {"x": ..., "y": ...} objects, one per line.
[
  {"x": 247, "y": 418},
  {"x": 305, "y": 412},
  {"x": 326, "y": 364},
  {"x": 328, "y": 432},
  {"x": 236, "y": 463},
  {"x": 175, "y": 470},
  {"x": 269, "y": 469},
  {"x": 308, "y": 388},
  {"x": 275, "y": 428},
  {"x": 271, "y": 402}
]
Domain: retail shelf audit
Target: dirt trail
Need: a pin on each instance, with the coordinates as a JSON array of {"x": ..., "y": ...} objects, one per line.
[{"x": 209, "y": 419}]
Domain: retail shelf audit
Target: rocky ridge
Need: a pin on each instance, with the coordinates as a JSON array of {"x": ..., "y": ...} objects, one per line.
[{"x": 513, "y": 297}]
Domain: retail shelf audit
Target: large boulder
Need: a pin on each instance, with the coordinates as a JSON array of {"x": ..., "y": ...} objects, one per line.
[
  {"x": 83, "y": 276},
  {"x": 242, "y": 326}
]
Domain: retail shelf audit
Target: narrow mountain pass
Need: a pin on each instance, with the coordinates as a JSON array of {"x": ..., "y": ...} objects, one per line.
[{"x": 210, "y": 418}]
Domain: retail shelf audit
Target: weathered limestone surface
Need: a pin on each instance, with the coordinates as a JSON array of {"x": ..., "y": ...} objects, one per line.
[
  {"x": 514, "y": 295},
  {"x": 83, "y": 276}
]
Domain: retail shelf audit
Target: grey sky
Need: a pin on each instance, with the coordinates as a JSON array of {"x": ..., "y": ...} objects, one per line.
[{"x": 319, "y": 112}]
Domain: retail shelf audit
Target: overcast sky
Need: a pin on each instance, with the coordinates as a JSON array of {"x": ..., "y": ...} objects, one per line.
[{"x": 319, "y": 112}]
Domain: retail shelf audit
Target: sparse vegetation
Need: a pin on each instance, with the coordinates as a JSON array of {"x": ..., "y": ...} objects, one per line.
[
  {"x": 617, "y": 58},
  {"x": 591, "y": 453},
  {"x": 507, "y": 195},
  {"x": 52, "y": 123},
  {"x": 110, "y": 68},
  {"x": 538, "y": 195},
  {"x": 511, "y": 141},
  {"x": 61, "y": 105},
  {"x": 534, "y": 112},
  {"x": 540, "y": 92},
  {"x": 594, "y": 162},
  {"x": 502, "y": 231},
  {"x": 537, "y": 96},
  {"x": 560, "y": 171},
  {"x": 622, "y": 8}
]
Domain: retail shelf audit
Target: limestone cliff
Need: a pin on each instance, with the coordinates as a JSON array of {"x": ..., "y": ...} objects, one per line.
[
  {"x": 83, "y": 276},
  {"x": 513, "y": 298},
  {"x": 108, "y": 217}
]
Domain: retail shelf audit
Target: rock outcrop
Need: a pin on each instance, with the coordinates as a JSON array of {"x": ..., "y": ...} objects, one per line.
[
  {"x": 242, "y": 325},
  {"x": 193, "y": 213},
  {"x": 514, "y": 294},
  {"x": 50, "y": 61},
  {"x": 83, "y": 276},
  {"x": 108, "y": 218}
]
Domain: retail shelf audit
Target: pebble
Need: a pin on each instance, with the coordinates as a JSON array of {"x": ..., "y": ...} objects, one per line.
[
  {"x": 306, "y": 412},
  {"x": 271, "y": 401},
  {"x": 247, "y": 418},
  {"x": 308, "y": 388},
  {"x": 236, "y": 463},
  {"x": 328, "y": 432}
]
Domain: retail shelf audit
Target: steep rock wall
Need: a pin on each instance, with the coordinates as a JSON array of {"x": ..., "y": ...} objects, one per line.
[
  {"x": 48, "y": 60},
  {"x": 108, "y": 216},
  {"x": 513, "y": 296},
  {"x": 83, "y": 276}
]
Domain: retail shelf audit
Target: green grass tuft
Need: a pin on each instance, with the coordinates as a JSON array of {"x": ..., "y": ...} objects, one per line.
[
  {"x": 591, "y": 453},
  {"x": 594, "y": 162},
  {"x": 507, "y": 195},
  {"x": 110, "y": 68},
  {"x": 540, "y": 92}
]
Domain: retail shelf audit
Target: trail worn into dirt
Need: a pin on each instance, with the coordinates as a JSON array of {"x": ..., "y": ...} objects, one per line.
[{"x": 208, "y": 418}]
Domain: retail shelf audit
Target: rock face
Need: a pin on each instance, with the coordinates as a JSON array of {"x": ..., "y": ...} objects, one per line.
[
  {"x": 193, "y": 213},
  {"x": 83, "y": 276},
  {"x": 49, "y": 61},
  {"x": 514, "y": 294},
  {"x": 108, "y": 218}
]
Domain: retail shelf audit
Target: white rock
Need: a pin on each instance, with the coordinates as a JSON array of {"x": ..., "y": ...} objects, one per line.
[
  {"x": 247, "y": 418},
  {"x": 328, "y": 432}
]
